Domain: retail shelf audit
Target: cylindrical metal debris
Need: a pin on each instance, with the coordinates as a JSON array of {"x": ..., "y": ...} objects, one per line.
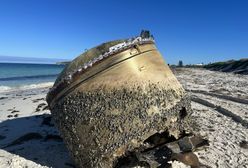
[{"x": 112, "y": 98}]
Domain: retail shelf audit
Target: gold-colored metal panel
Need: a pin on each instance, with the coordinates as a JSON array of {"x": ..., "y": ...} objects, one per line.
[{"x": 142, "y": 65}]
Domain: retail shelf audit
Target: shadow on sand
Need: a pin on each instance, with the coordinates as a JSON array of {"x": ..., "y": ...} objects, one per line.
[{"x": 35, "y": 138}]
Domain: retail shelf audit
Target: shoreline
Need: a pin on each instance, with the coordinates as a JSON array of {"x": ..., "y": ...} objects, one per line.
[{"x": 23, "y": 88}]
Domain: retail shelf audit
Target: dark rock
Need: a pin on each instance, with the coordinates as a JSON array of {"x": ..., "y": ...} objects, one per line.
[
  {"x": 15, "y": 111},
  {"x": 1, "y": 98},
  {"x": 36, "y": 100},
  {"x": 243, "y": 144},
  {"x": 45, "y": 108}
]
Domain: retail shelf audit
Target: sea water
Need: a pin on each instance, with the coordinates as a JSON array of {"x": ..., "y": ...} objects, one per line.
[{"x": 21, "y": 75}]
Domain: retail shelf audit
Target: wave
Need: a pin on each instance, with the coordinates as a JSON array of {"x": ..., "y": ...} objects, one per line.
[
  {"x": 28, "y": 77},
  {"x": 4, "y": 88},
  {"x": 25, "y": 87}
]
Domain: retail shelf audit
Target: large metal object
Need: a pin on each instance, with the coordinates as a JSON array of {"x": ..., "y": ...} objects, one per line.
[{"x": 111, "y": 99}]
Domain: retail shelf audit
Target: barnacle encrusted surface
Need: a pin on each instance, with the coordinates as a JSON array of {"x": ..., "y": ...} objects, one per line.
[{"x": 101, "y": 126}]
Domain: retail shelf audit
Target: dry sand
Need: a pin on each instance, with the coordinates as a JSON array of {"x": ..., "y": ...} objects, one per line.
[
  {"x": 29, "y": 139},
  {"x": 227, "y": 136}
]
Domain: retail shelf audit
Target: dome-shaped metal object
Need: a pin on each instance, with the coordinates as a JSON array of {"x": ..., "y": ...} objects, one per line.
[{"x": 111, "y": 99}]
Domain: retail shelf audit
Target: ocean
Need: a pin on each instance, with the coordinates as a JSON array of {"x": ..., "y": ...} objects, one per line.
[{"x": 22, "y": 75}]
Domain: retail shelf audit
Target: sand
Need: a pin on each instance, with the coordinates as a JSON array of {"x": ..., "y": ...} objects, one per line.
[
  {"x": 28, "y": 137},
  {"x": 225, "y": 134}
]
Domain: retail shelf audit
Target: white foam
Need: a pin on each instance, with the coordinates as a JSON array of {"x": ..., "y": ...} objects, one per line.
[
  {"x": 25, "y": 87},
  {"x": 35, "y": 86},
  {"x": 4, "y": 88}
]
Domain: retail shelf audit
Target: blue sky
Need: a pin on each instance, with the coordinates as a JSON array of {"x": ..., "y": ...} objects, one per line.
[{"x": 190, "y": 30}]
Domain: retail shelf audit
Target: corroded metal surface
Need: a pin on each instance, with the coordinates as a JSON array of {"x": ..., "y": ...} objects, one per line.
[{"x": 113, "y": 107}]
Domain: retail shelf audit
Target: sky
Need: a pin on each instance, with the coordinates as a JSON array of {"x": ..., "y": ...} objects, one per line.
[{"x": 193, "y": 31}]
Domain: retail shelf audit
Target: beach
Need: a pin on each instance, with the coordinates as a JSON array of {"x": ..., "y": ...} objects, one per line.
[
  {"x": 28, "y": 137},
  {"x": 226, "y": 133}
]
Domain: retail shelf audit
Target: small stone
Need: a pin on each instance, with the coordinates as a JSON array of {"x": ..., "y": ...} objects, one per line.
[{"x": 243, "y": 144}]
